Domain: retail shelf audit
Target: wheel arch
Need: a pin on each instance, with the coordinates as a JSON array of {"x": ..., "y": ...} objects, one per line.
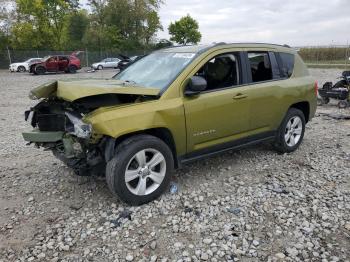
[
  {"x": 72, "y": 66},
  {"x": 303, "y": 106},
  {"x": 40, "y": 66},
  {"x": 21, "y": 66},
  {"x": 160, "y": 132}
]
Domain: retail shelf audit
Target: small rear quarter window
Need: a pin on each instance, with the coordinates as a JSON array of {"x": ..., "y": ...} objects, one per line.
[{"x": 287, "y": 64}]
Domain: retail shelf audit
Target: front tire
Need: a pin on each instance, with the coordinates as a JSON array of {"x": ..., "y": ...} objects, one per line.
[
  {"x": 21, "y": 69},
  {"x": 141, "y": 169},
  {"x": 100, "y": 67},
  {"x": 40, "y": 70},
  {"x": 291, "y": 131}
]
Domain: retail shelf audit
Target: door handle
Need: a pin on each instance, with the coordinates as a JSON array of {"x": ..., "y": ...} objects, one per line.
[{"x": 240, "y": 96}]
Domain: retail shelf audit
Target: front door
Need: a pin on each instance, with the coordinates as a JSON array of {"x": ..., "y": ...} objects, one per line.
[
  {"x": 108, "y": 63},
  {"x": 220, "y": 114},
  {"x": 52, "y": 64}
]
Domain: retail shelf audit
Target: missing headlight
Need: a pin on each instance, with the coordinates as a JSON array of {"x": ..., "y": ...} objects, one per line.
[{"x": 79, "y": 128}]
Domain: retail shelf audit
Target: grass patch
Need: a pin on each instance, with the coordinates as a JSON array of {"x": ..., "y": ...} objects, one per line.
[{"x": 336, "y": 66}]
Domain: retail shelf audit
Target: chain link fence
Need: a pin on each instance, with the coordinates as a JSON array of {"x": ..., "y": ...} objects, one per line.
[
  {"x": 313, "y": 55},
  {"x": 86, "y": 57}
]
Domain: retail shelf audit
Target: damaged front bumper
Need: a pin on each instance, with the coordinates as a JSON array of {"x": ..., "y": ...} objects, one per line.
[
  {"x": 68, "y": 145},
  {"x": 37, "y": 136},
  {"x": 79, "y": 154}
]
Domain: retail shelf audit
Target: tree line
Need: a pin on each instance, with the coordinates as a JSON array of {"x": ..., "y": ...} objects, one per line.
[{"x": 108, "y": 25}]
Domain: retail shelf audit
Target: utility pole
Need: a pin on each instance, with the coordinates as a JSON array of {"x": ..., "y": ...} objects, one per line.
[
  {"x": 8, "y": 53},
  {"x": 347, "y": 54},
  {"x": 86, "y": 57}
]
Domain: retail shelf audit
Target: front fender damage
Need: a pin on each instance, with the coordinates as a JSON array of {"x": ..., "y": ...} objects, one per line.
[{"x": 65, "y": 128}]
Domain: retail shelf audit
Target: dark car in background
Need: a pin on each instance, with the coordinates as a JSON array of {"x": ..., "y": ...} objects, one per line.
[
  {"x": 122, "y": 65},
  {"x": 109, "y": 62},
  {"x": 56, "y": 64}
]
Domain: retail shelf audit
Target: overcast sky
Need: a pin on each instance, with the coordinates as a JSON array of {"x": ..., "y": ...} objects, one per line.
[{"x": 293, "y": 22}]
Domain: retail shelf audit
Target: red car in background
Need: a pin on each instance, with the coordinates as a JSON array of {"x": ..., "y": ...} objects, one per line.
[{"x": 55, "y": 64}]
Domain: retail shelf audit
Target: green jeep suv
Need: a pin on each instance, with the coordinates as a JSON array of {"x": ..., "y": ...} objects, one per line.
[{"x": 171, "y": 107}]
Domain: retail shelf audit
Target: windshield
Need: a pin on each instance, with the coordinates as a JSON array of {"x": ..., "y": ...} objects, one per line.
[{"x": 156, "y": 70}]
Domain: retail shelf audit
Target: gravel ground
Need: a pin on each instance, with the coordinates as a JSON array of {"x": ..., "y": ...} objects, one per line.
[{"x": 246, "y": 205}]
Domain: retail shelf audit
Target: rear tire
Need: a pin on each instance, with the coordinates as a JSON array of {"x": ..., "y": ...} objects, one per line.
[
  {"x": 291, "y": 131},
  {"x": 343, "y": 104},
  {"x": 134, "y": 174},
  {"x": 72, "y": 69}
]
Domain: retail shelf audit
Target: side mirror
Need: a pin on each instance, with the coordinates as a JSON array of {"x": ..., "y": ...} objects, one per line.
[{"x": 195, "y": 85}]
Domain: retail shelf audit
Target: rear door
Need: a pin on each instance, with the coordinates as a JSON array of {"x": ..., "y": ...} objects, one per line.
[
  {"x": 63, "y": 62},
  {"x": 107, "y": 63},
  {"x": 114, "y": 62},
  {"x": 265, "y": 91}
]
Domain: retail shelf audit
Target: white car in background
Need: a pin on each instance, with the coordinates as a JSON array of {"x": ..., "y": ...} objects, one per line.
[
  {"x": 106, "y": 63},
  {"x": 24, "y": 66}
]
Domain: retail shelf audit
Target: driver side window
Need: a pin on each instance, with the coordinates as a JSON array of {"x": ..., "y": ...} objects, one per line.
[{"x": 221, "y": 71}]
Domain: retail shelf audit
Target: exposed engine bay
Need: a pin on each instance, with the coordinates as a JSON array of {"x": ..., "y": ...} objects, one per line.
[{"x": 72, "y": 140}]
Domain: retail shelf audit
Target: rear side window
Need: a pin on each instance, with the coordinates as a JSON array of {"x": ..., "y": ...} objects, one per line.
[
  {"x": 260, "y": 66},
  {"x": 287, "y": 64}
]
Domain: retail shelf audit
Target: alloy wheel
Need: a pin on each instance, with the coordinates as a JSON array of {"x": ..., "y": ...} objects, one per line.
[
  {"x": 293, "y": 131},
  {"x": 145, "y": 172}
]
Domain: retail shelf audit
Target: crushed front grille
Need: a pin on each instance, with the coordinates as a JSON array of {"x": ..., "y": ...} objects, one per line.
[{"x": 51, "y": 122}]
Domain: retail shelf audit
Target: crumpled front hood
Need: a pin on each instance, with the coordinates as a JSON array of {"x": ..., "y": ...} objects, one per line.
[{"x": 71, "y": 90}]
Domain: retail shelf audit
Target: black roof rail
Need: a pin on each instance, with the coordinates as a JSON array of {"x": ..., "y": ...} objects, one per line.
[
  {"x": 256, "y": 43},
  {"x": 210, "y": 46},
  {"x": 206, "y": 48},
  {"x": 252, "y": 43},
  {"x": 220, "y": 43}
]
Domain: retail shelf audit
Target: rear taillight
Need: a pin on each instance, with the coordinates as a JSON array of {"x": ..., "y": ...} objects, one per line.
[{"x": 316, "y": 88}]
